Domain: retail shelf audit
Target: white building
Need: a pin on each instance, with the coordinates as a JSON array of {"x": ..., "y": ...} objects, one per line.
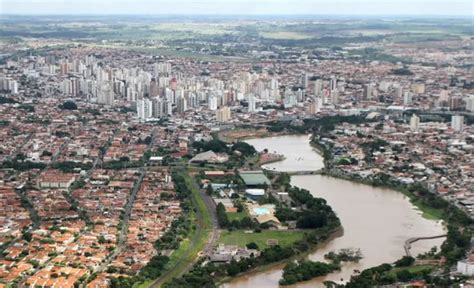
[
  {"x": 466, "y": 267},
  {"x": 252, "y": 103},
  {"x": 144, "y": 109},
  {"x": 223, "y": 114},
  {"x": 470, "y": 103},
  {"x": 414, "y": 122},
  {"x": 407, "y": 98},
  {"x": 212, "y": 103},
  {"x": 105, "y": 95},
  {"x": 457, "y": 123}
]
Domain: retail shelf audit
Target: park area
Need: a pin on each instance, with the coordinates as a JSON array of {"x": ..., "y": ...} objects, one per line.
[{"x": 242, "y": 238}]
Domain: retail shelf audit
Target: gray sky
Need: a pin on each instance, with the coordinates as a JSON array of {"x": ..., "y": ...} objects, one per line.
[{"x": 240, "y": 7}]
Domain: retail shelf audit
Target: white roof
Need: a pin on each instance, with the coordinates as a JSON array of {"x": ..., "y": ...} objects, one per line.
[
  {"x": 156, "y": 158},
  {"x": 255, "y": 192}
]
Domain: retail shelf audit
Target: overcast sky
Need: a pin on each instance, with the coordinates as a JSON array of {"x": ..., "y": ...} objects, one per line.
[{"x": 240, "y": 7}]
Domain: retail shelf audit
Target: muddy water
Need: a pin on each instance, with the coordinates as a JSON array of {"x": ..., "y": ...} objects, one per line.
[{"x": 376, "y": 220}]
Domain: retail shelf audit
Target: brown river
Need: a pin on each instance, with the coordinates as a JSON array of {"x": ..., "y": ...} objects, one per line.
[{"x": 377, "y": 221}]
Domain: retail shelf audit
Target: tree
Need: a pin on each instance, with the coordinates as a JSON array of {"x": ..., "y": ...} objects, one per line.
[
  {"x": 69, "y": 105},
  {"x": 244, "y": 148},
  {"x": 233, "y": 268},
  {"x": 252, "y": 245},
  {"x": 405, "y": 261},
  {"x": 27, "y": 236},
  {"x": 209, "y": 189}
]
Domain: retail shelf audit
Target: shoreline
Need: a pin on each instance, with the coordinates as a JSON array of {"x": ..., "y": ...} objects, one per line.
[
  {"x": 319, "y": 149},
  {"x": 259, "y": 134},
  {"x": 335, "y": 233}
]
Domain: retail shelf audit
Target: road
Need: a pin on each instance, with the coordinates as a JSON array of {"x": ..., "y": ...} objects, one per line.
[
  {"x": 122, "y": 237},
  {"x": 211, "y": 207}
]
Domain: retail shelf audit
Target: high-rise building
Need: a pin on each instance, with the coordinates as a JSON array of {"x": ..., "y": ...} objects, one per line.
[
  {"x": 212, "y": 103},
  {"x": 182, "y": 105},
  {"x": 105, "y": 95},
  {"x": 368, "y": 91},
  {"x": 318, "y": 87},
  {"x": 144, "y": 109},
  {"x": 334, "y": 97},
  {"x": 470, "y": 103},
  {"x": 158, "y": 108},
  {"x": 252, "y": 103},
  {"x": 304, "y": 80},
  {"x": 333, "y": 83},
  {"x": 455, "y": 103},
  {"x": 414, "y": 122},
  {"x": 399, "y": 92},
  {"x": 407, "y": 98},
  {"x": 274, "y": 84},
  {"x": 162, "y": 68},
  {"x": 315, "y": 107},
  {"x": 223, "y": 114},
  {"x": 457, "y": 123}
]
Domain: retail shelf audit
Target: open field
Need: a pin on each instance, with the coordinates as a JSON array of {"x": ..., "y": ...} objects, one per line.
[
  {"x": 285, "y": 35},
  {"x": 412, "y": 269},
  {"x": 237, "y": 215},
  {"x": 240, "y": 238}
]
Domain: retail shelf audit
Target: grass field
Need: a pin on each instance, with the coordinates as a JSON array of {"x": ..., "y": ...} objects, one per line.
[
  {"x": 426, "y": 212},
  {"x": 236, "y": 216},
  {"x": 241, "y": 238},
  {"x": 412, "y": 269}
]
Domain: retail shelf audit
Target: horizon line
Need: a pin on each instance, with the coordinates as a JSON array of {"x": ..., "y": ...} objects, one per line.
[{"x": 235, "y": 15}]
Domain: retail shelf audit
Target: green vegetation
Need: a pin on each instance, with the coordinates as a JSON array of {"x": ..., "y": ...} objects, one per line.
[
  {"x": 344, "y": 255},
  {"x": 224, "y": 221},
  {"x": 317, "y": 214},
  {"x": 305, "y": 270},
  {"x": 285, "y": 35},
  {"x": 121, "y": 164},
  {"x": 22, "y": 165},
  {"x": 413, "y": 269},
  {"x": 213, "y": 145},
  {"x": 187, "y": 235},
  {"x": 236, "y": 216},
  {"x": 401, "y": 71},
  {"x": 322, "y": 125},
  {"x": 6, "y": 100},
  {"x": 290, "y": 243},
  {"x": 70, "y": 167},
  {"x": 152, "y": 270},
  {"x": 242, "y": 238},
  {"x": 198, "y": 236},
  {"x": 68, "y": 105},
  {"x": 387, "y": 274},
  {"x": 372, "y": 54}
]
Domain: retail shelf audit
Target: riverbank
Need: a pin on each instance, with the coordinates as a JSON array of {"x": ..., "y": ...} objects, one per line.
[
  {"x": 365, "y": 210},
  {"x": 241, "y": 134},
  {"x": 335, "y": 233},
  {"x": 426, "y": 212}
]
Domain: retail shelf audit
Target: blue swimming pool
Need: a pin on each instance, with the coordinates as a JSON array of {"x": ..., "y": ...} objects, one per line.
[{"x": 261, "y": 211}]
